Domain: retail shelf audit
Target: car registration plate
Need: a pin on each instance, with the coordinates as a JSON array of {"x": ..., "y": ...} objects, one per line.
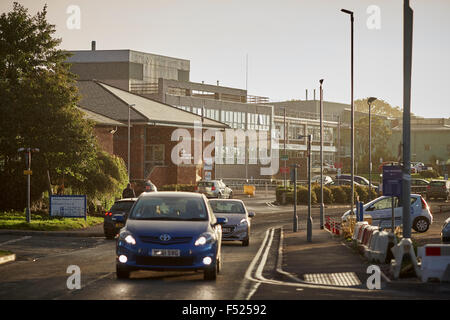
[
  {"x": 227, "y": 230},
  {"x": 165, "y": 252},
  {"x": 120, "y": 225}
]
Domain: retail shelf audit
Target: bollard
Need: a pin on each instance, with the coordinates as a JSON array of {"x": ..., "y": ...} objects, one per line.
[
  {"x": 357, "y": 211},
  {"x": 361, "y": 211}
]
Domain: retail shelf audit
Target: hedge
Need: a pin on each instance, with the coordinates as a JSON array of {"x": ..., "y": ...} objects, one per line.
[
  {"x": 178, "y": 187},
  {"x": 332, "y": 194}
]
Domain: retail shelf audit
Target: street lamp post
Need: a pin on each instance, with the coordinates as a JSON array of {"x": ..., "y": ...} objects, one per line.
[
  {"x": 352, "y": 145},
  {"x": 369, "y": 102},
  {"x": 321, "y": 156},
  {"x": 284, "y": 152},
  {"x": 28, "y": 152},
  {"x": 129, "y": 140},
  {"x": 309, "y": 217}
]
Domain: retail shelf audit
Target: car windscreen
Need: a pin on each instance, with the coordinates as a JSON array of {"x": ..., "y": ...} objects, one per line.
[
  {"x": 170, "y": 208},
  {"x": 437, "y": 183},
  {"x": 227, "y": 207},
  {"x": 124, "y": 206},
  {"x": 206, "y": 184}
]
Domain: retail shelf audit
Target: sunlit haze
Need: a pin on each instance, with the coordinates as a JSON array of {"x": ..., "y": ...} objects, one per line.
[{"x": 290, "y": 44}]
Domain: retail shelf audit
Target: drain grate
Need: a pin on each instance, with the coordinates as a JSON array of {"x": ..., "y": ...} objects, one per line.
[{"x": 344, "y": 279}]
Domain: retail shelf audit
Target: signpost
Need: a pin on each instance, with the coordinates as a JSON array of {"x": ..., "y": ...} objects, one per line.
[
  {"x": 294, "y": 180},
  {"x": 68, "y": 206},
  {"x": 392, "y": 186}
]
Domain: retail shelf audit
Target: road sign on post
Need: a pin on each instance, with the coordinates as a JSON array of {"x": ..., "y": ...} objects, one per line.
[{"x": 392, "y": 181}]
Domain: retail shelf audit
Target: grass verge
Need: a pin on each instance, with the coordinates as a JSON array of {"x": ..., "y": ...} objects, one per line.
[
  {"x": 42, "y": 222},
  {"x": 4, "y": 253}
]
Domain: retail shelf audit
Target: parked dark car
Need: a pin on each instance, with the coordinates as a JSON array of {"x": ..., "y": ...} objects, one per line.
[
  {"x": 121, "y": 207},
  {"x": 342, "y": 182},
  {"x": 419, "y": 186},
  {"x": 438, "y": 189},
  {"x": 360, "y": 180},
  {"x": 445, "y": 233}
]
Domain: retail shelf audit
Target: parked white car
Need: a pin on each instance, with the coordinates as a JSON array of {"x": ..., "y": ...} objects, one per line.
[
  {"x": 326, "y": 179},
  {"x": 380, "y": 210}
]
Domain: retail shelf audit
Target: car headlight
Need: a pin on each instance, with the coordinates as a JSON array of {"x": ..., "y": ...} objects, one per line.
[
  {"x": 204, "y": 239},
  {"x": 127, "y": 237},
  {"x": 243, "y": 222}
]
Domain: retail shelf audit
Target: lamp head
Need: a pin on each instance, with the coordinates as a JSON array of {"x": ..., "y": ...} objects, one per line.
[
  {"x": 321, "y": 81},
  {"x": 371, "y": 99},
  {"x": 347, "y": 11}
]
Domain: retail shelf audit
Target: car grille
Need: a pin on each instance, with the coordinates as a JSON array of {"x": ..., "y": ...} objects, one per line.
[
  {"x": 228, "y": 229},
  {"x": 164, "y": 261},
  {"x": 157, "y": 240}
]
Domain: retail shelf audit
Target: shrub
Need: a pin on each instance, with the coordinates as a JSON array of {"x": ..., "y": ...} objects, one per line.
[
  {"x": 289, "y": 194},
  {"x": 302, "y": 195},
  {"x": 339, "y": 195},
  {"x": 327, "y": 194},
  {"x": 348, "y": 192},
  {"x": 178, "y": 187},
  {"x": 363, "y": 193},
  {"x": 429, "y": 174}
]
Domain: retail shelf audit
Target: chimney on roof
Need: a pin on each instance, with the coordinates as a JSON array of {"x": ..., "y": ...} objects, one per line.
[
  {"x": 314, "y": 94},
  {"x": 217, "y": 82},
  {"x": 93, "y": 45},
  {"x": 306, "y": 95}
]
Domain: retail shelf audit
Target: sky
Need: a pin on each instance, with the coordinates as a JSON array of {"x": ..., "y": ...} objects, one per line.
[{"x": 290, "y": 44}]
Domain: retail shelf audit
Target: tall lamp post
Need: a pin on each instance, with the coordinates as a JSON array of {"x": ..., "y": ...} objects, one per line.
[
  {"x": 129, "y": 139},
  {"x": 284, "y": 139},
  {"x": 321, "y": 156},
  {"x": 352, "y": 145},
  {"x": 309, "y": 221},
  {"x": 369, "y": 102},
  {"x": 28, "y": 152}
]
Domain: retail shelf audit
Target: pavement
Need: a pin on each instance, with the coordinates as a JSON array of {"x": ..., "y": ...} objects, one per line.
[
  {"x": 323, "y": 261},
  {"x": 330, "y": 261}
]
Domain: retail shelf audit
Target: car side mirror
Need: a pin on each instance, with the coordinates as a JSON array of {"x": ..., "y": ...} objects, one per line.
[
  {"x": 370, "y": 209},
  {"x": 251, "y": 214},
  {"x": 222, "y": 221},
  {"x": 118, "y": 218}
]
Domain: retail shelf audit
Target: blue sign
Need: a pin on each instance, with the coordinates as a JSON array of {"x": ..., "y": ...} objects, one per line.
[{"x": 392, "y": 181}]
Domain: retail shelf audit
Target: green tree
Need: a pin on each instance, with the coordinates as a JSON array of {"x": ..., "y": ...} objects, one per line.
[
  {"x": 381, "y": 133},
  {"x": 378, "y": 107},
  {"x": 38, "y": 108}
]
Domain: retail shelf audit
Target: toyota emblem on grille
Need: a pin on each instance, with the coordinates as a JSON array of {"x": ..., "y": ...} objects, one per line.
[{"x": 165, "y": 237}]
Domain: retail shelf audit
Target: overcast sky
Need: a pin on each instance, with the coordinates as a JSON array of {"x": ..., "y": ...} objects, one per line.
[{"x": 290, "y": 44}]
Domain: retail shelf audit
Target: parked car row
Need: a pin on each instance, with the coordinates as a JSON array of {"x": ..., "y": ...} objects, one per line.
[{"x": 175, "y": 231}]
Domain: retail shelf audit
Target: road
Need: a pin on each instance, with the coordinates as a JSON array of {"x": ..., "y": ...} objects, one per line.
[{"x": 40, "y": 271}]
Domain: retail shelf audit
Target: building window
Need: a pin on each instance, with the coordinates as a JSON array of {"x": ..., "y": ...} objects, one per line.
[
  {"x": 295, "y": 131},
  {"x": 427, "y": 147},
  {"x": 154, "y": 154}
]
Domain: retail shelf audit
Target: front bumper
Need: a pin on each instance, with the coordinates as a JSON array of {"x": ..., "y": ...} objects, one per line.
[
  {"x": 139, "y": 257},
  {"x": 236, "y": 233}
]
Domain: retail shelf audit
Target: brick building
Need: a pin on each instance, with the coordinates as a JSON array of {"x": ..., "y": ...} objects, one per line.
[{"x": 152, "y": 125}]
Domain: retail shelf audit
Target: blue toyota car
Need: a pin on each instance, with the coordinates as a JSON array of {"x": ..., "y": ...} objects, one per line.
[{"x": 170, "y": 231}]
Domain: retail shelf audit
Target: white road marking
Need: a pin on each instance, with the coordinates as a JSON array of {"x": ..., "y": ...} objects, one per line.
[
  {"x": 249, "y": 271},
  {"x": 14, "y": 240}
]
